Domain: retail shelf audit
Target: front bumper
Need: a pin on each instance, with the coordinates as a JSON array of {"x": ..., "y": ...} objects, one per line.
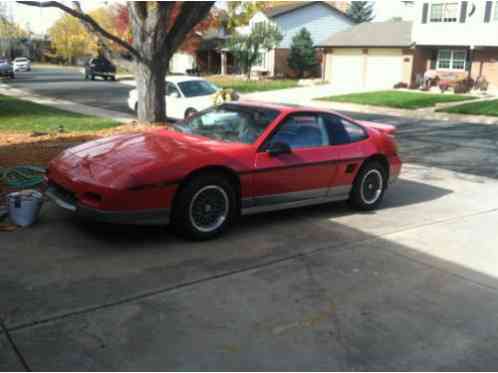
[
  {"x": 64, "y": 200},
  {"x": 6, "y": 72},
  {"x": 21, "y": 68}
]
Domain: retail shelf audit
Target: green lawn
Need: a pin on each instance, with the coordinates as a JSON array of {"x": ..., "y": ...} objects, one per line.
[
  {"x": 475, "y": 108},
  {"x": 397, "y": 99},
  {"x": 23, "y": 116},
  {"x": 249, "y": 86}
]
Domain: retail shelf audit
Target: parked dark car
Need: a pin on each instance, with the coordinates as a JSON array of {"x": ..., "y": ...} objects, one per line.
[
  {"x": 100, "y": 66},
  {"x": 6, "y": 68}
]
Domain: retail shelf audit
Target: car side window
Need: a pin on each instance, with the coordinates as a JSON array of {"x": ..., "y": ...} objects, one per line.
[
  {"x": 302, "y": 131},
  {"x": 342, "y": 131},
  {"x": 171, "y": 90}
]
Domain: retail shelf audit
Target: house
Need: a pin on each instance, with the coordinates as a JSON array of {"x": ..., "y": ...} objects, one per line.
[
  {"x": 451, "y": 40},
  {"x": 457, "y": 39},
  {"x": 320, "y": 18}
]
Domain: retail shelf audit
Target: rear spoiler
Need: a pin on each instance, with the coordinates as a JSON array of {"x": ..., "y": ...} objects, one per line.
[{"x": 385, "y": 128}]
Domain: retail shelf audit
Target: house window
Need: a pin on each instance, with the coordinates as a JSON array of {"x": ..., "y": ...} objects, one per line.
[
  {"x": 444, "y": 12},
  {"x": 495, "y": 13},
  {"x": 448, "y": 59}
]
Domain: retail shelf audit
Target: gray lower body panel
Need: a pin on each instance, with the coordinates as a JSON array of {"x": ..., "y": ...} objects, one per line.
[{"x": 295, "y": 199}]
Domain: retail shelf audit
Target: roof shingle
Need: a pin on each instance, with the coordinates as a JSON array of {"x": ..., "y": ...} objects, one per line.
[{"x": 373, "y": 34}]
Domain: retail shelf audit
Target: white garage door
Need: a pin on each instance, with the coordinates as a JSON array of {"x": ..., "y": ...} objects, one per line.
[
  {"x": 384, "y": 68},
  {"x": 346, "y": 68}
]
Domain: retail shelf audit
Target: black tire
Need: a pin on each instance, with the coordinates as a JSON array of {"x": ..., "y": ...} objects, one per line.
[
  {"x": 197, "y": 198},
  {"x": 92, "y": 77},
  {"x": 113, "y": 78},
  {"x": 12, "y": 76},
  {"x": 189, "y": 112},
  {"x": 105, "y": 78},
  {"x": 369, "y": 187}
]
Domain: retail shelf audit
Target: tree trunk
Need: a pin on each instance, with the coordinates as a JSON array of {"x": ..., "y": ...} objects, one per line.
[{"x": 151, "y": 92}]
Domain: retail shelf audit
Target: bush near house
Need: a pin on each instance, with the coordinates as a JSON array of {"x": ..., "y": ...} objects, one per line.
[
  {"x": 396, "y": 99},
  {"x": 302, "y": 55}
]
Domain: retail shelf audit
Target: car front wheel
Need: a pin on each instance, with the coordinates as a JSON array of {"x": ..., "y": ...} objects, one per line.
[
  {"x": 205, "y": 207},
  {"x": 369, "y": 187}
]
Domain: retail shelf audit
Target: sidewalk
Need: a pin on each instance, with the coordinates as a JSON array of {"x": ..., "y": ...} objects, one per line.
[{"x": 65, "y": 105}]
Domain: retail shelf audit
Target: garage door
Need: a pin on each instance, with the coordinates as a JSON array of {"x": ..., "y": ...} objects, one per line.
[
  {"x": 346, "y": 68},
  {"x": 384, "y": 68}
]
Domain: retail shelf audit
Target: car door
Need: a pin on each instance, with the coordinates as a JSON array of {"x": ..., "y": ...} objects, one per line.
[
  {"x": 174, "y": 102},
  {"x": 304, "y": 173},
  {"x": 348, "y": 141}
]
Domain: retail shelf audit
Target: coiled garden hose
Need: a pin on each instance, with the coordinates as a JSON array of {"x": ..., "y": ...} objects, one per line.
[{"x": 22, "y": 177}]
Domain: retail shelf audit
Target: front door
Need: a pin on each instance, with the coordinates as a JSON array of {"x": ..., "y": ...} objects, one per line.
[{"x": 305, "y": 173}]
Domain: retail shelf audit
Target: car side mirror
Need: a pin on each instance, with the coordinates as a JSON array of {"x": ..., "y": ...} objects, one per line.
[
  {"x": 174, "y": 95},
  {"x": 278, "y": 148}
]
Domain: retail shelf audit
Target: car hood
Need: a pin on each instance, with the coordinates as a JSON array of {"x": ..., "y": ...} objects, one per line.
[{"x": 129, "y": 161}]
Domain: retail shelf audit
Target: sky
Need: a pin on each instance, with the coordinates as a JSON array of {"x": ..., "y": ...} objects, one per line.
[{"x": 39, "y": 20}]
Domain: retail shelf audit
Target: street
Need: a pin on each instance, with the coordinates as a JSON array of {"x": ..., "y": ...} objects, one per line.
[
  {"x": 69, "y": 84},
  {"x": 412, "y": 286}
]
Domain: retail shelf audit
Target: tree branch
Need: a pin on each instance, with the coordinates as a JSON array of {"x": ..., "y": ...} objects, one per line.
[
  {"x": 191, "y": 13},
  {"x": 86, "y": 19}
]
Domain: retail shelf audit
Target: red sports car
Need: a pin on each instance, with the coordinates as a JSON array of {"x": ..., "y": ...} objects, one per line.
[{"x": 236, "y": 158}]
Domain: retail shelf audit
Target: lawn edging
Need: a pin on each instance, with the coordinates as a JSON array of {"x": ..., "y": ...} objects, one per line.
[
  {"x": 421, "y": 114},
  {"x": 485, "y": 107},
  {"x": 399, "y": 99}
]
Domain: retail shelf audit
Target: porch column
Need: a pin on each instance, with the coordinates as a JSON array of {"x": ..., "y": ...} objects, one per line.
[
  {"x": 223, "y": 55},
  {"x": 470, "y": 60}
]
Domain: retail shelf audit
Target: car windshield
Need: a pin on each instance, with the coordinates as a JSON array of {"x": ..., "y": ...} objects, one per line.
[
  {"x": 195, "y": 88},
  {"x": 230, "y": 123}
]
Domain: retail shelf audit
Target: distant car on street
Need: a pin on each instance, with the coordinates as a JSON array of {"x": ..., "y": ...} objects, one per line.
[
  {"x": 185, "y": 95},
  {"x": 6, "y": 69},
  {"x": 100, "y": 66},
  {"x": 22, "y": 64}
]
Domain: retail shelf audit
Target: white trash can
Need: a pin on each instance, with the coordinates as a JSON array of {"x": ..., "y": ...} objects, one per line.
[{"x": 24, "y": 207}]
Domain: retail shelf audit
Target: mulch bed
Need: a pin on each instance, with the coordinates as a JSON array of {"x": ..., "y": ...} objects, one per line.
[{"x": 17, "y": 148}]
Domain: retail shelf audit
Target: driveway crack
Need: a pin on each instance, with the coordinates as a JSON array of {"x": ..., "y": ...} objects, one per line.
[{"x": 14, "y": 347}]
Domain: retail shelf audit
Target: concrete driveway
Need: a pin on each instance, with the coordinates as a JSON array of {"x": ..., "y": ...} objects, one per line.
[{"x": 412, "y": 286}]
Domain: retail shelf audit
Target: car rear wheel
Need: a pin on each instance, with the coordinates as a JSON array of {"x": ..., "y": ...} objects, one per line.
[
  {"x": 369, "y": 187},
  {"x": 205, "y": 207},
  {"x": 92, "y": 77}
]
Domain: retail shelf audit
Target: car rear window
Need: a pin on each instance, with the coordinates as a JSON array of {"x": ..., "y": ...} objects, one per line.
[{"x": 196, "y": 88}]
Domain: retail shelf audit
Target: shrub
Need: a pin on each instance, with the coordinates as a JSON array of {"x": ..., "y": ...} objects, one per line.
[
  {"x": 302, "y": 56},
  {"x": 482, "y": 84},
  {"x": 464, "y": 85},
  {"x": 444, "y": 86}
]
